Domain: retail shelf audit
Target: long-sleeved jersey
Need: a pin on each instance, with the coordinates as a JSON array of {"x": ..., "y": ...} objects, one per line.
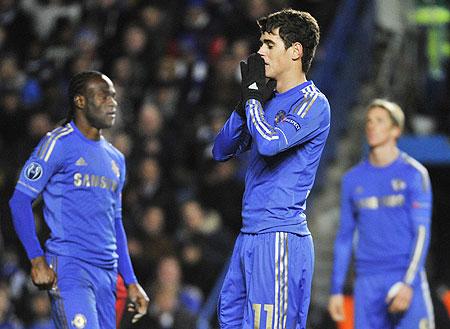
[
  {"x": 390, "y": 209},
  {"x": 285, "y": 139},
  {"x": 81, "y": 182}
]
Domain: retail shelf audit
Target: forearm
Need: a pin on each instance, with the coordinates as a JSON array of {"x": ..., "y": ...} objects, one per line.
[
  {"x": 343, "y": 246},
  {"x": 125, "y": 266},
  {"x": 268, "y": 140},
  {"x": 342, "y": 258},
  {"x": 418, "y": 254},
  {"x": 291, "y": 131},
  {"x": 420, "y": 207},
  {"x": 23, "y": 220},
  {"x": 232, "y": 140}
]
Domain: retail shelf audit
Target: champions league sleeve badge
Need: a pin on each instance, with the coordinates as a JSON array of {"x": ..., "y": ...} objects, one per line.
[{"x": 33, "y": 171}]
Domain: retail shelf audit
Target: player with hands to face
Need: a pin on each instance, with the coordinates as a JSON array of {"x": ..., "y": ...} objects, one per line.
[{"x": 269, "y": 277}]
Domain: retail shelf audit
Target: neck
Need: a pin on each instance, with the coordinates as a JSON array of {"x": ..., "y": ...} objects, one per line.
[
  {"x": 290, "y": 80},
  {"x": 383, "y": 155},
  {"x": 87, "y": 130}
]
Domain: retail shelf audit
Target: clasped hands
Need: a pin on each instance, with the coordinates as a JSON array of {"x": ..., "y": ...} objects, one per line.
[{"x": 254, "y": 84}]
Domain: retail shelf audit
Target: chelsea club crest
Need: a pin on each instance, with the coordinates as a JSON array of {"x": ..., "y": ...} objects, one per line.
[
  {"x": 280, "y": 116},
  {"x": 79, "y": 321},
  {"x": 115, "y": 168}
]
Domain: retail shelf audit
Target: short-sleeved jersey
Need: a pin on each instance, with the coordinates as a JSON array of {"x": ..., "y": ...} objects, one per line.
[
  {"x": 390, "y": 209},
  {"x": 285, "y": 139},
  {"x": 81, "y": 182}
]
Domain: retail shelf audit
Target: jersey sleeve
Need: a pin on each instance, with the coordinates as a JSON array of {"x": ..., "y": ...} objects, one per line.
[
  {"x": 124, "y": 261},
  {"x": 419, "y": 205},
  {"x": 44, "y": 162},
  {"x": 301, "y": 124},
  {"x": 344, "y": 239},
  {"x": 233, "y": 139},
  {"x": 23, "y": 221}
]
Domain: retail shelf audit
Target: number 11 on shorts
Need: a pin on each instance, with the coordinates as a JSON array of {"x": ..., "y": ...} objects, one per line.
[{"x": 268, "y": 308}]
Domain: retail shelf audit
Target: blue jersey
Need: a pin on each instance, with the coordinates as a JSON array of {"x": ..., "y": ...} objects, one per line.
[
  {"x": 81, "y": 182},
  {"x": 285, "y": 140},
  {"x": 390, "y": 209}
]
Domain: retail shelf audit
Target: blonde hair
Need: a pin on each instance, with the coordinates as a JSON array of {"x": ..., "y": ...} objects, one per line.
[{"x": 395, "y": 111}]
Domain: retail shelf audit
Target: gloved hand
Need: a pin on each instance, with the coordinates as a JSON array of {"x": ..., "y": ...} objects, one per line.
[
  {"x": 255, "y": 64},
  {"x": 267, "y": 95},
  {"x": 253, "y": 78}
]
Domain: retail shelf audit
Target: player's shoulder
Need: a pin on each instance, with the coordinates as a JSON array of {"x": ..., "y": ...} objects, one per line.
[
  {"x": 114, "y": 151},
  {"x": 53, "y": 139},
  {"x": 60, "y": 132},
  {"x": 412, "y": 166},
  {"x": 311, "y": 91},
  {"x": 355, "y": 172},
  {"x": 309, "y": 97}
]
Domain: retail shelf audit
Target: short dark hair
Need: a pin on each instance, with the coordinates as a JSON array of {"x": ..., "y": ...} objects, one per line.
[
  {"x": 77, "y": 86},
  {"x": 295, "y": 26}
]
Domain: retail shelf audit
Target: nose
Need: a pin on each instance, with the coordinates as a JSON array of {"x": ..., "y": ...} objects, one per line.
[
  {"x": 261, "y": 50},
  {"x": 369, "y": 126},
  {"x": 113, "y": 101}
]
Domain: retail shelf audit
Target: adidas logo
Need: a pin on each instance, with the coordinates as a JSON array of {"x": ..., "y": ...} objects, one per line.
[
  {"x": 81, "y": 162},
  {"x": 253, "y": 86}
]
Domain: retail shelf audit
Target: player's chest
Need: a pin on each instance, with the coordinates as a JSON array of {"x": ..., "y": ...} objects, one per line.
[
  {"x": 276, "y": 111},
  {"x": 92, "y": 169},
  {"x": 372, "y": 193}
]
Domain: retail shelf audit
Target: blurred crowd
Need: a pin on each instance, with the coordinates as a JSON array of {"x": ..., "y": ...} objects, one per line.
[{"x": 175, "y": 66}]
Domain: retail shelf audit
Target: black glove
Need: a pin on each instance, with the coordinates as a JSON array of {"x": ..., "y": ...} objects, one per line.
[
  {"x": 253, "y": 78},
  {"x": 264, "y": 93}
]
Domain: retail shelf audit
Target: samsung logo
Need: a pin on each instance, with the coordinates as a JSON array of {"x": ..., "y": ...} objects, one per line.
[
  {"x": 373, "y": 202},
  {"x": 91, "y": 180}
]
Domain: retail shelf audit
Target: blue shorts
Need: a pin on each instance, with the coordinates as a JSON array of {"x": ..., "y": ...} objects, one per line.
[
  {"x": 371, "y": 310},
  {"x": 85, "y": 294},
  {"x": 268, "y": 283}
]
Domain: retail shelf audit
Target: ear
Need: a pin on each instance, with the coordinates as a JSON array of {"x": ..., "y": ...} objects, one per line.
[
  {"x": 297, "y": 51},
  {"x": 397, "y": 132},
  {"x": 79, "y": 101}
]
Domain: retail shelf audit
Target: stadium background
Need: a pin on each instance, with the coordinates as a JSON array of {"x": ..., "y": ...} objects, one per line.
[{"x": 175, "y": 65}]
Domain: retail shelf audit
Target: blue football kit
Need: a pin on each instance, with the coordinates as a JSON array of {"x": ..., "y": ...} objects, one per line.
[
  {"x": 385, "y": 219},
  {"x": 269, "y": 278},
  {"x": 80, "y": 181}
]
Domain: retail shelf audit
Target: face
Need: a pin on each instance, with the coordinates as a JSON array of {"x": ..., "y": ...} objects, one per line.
[
  {"x": 277, "y": 58},
  {"x": 101, "y": 105},
  {"x": 380, "y": 130}
]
